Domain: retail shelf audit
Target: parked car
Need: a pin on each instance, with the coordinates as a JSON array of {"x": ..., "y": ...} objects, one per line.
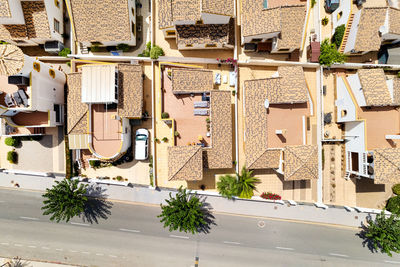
[
  {"x": 331, "y": 5},
  {"x": 141, "y": 144}
]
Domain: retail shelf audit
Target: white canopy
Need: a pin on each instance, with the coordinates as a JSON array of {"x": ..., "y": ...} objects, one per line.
[{"x": 98, "y": 84}]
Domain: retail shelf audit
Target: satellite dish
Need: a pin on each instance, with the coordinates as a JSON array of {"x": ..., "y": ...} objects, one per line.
[{"x": 266, "y": 103}]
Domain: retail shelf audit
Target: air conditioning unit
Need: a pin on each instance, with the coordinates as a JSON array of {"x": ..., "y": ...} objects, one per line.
[
  {"x": 53, "y": 47},
  {"x": 18, "y": 80}
]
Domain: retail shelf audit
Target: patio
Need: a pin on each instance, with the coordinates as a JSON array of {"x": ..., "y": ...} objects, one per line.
[{"x": 181, "y": 107}]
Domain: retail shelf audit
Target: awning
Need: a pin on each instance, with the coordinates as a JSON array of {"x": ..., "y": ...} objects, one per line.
[
  {"x": 394, "y": 56},
  {"x": 78, "y": 141},
  {"x": 99, "y": 84}
]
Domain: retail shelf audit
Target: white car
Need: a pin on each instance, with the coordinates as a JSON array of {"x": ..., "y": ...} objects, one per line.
[{"x": 142, "y": 144}]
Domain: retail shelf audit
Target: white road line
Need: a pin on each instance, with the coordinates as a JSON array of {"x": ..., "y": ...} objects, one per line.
[
  {"x": 59, "y": 249},
  {"x": 338, "y": 255},
  {"x": 283, "y": 248},
  {"x": 129, "y": 230},
  {"x": 85, "y": 252},
  {"x": 2, "y": 201},
  {"x": 394, "y": 262},
  {"x": 31, "y": 246},
  {"x": 73, "y": 251},
  {"x": 5, "y": 244},
  {"x": 18, "y": 245},
  {"x": 45, "y": 248},
  {"x": 179, "y": 236},
  {"x": 81, "y": 224},
  {"x": 29, "y": 218},
  {"x": 99, "y": 254},
  {"x": 112, "y": 256},
  {"x": 231, "y": 242}
]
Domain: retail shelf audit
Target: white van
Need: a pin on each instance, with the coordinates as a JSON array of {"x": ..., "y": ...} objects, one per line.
[{"x": 142, "y": 144}]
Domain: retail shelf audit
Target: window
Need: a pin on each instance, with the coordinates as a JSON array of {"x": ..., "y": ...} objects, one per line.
[
  {"x": 57, "y": 3},
  {"x": 133, "y": 28},
  {"x": 133, "y": 11},
  {"x": 265, "y": 3},
  {"x": 56, "y": 25},
  {"x": 189, "y": 45},
  {"x": 256, "y": 40},
  {"x": 170, "y": 33},
  {"x": 199, "y": 22},
  {"x": 211, "y": 45}
]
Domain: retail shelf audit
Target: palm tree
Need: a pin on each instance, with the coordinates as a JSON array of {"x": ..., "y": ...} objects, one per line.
[
  {"x": 227, "y": 186},
  {"x": 246, "y": 184},
  {"x": 65, "y": 200}
]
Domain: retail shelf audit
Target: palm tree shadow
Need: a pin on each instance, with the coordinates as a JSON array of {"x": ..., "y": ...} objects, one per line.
[
  {"x": 97, "y": 207},
  {"x": 366, "y": 241},
  {"x": 208, "y": 216}
]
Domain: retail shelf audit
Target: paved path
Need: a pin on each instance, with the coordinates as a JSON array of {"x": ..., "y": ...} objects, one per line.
[
  {"x": 133, "y": 236},
  {"x": 310, "y": 213}
]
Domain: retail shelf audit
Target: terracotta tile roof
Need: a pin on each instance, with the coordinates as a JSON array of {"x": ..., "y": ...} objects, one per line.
[
  {"x": 101, "y": 21},
  {"x": 185, "y": 163},
  {"x": 11, "y": 60},
  {"x": 396, "y": 91},
  {"x": 373, "y": 83},
  {"x": 394, "y": 21},
  {"x": 268, "y": 160},
  {"x": 368, "y": 38},
  {"x": 221, "y": 7},
  {"x": 300, "y": 162},
  {"x": 76, "y": 110},
  {"x": 130, "y": 95},
  {"x": 292, "y": 23},
  {"x": 288, "y": 20},
  {"x": 204, "y": 34},
  {"x": 36, "y": 23},
  {"x": 289, "y": 87},
  {"x": 387, "y": 165},
  {"x": 165, "y": 14},
  {"x": 219, "y": 156},
  {"x": 186, "y": 80},
  {"x": 4, "y": 9},
  {"x": 186, "y": 10}
]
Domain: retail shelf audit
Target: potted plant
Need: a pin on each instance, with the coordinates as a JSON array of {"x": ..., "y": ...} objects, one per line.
[{"x": 165, "y": 139}]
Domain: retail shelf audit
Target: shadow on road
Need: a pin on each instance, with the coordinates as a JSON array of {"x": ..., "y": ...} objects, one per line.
[
  {"x": 97, "y": 206},
  {"x": 208, "y": 217},
  {"x": 366, "y": 241}
]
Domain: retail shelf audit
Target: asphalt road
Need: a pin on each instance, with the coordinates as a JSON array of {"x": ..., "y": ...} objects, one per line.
[{"x": 133, "y": 236}]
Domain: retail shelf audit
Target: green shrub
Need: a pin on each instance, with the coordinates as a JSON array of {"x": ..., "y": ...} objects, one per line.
[
  {"x": 398, "y": 74},
  {"x": 176, "y": 133},
  {"x": 146, "y": 51},
  {"x": 396, "y": 189},
  {"x": 227, "y": 186},
  {"x": 94, "y": 164},
  {"x": 119, "y": 178},
  {"x": 393, "y": 205},
  {"x": 64, "y": 52},
  {"x": 164, "y": 115},
  {"x": 329, "y": 54},
  {"x": 324, "y": 21},
  {"x": 10, "y": 141},
  {"x": 95, "y": 48},
  {"x": 338, "y": 35},
  {"x": 123, "y": 47},
  {"x": 12, "y": 156},
  {"x": 156, "y": 52},
  {"x": 165, "y": 139},
  {"x": 69, "y": 63}
]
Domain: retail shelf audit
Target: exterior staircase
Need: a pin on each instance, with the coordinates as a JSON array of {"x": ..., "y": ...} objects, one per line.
[
  {"x": 346, "y": 33},
  {"x": 39, "y": 130},
  {"x": 83, "y": 48}
]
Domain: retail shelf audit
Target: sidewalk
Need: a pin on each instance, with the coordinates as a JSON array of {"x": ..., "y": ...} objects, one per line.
[
  {"x": 30, "y": 263},
  {"x": 301, "y": 212}
]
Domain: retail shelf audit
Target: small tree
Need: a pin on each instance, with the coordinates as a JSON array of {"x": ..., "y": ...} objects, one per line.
[
  {"x": 164, "y": 115},
  {"x": 396, "y": 189},
  {"x": 393, "y": 205},
  {"x": 10, "y": 141},
  {"x": 329, "y": 54},
  {"x": 227, "y": 186},
  {"x": 183, "y": 212},
  {"x": 65, "y": 200},
  {"x": 325, "y": 21},
  {"x": 383, "y": 233},
  {"x": 12, "y": 157},
  {"x": 123, "y": 47},
  {"x": 156, "y": 52},
  {"x": 65, "y": 52},
  {"x": 338, "y": 35},
  {"x": 146, "y": 51},
  {"x": 246, "y": 184}
]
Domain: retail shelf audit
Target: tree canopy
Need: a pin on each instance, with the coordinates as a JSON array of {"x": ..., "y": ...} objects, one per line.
[{"x": 329, "y": 54}]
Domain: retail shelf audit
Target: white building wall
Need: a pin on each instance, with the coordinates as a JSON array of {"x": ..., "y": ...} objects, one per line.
[
  {"x": 54, "y": 12},
  {"x": 351, "y": 39},
  {"x": 344, "y": 102},
  {"x": 17, "y": 16},
  {"x": 345, "y": 9},
  {"x": 356, "y": 88}
]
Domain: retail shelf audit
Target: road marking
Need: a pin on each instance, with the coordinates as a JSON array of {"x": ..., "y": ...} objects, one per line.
[
  {"x": 99, "y": 254},
  {"x": 283, "y": 248},
  {"x": 85, "y": 252},
  {"x": 231, "y": 242},
  {"x": 45, "y": 248},
  {"x": 31, "y": 246},
  {"x": 112, "y": 256},
  {"x": 18, "y": 245},
  {"x": 129, "y": 230},
  {"x": 2, "y": 201},
  {"x": 179, "y": 236},
  {"x": 29, "y": 218},
  {"x": 81, "y": 224},
  {"x": 394, "y": 262},
  {"x": 59, "y": 249},
  {"x": 73, "y": 251},
  {"x": 5, "y": 244},
  {"x": 338, "y": 255}
]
